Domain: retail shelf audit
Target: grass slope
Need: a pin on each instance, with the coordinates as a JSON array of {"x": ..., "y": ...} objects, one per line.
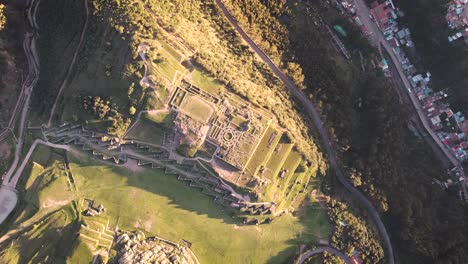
[{"x": 173, "y": 210}]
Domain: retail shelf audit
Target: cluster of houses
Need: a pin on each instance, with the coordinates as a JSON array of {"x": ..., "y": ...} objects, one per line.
[
  {"x": 348, "y": 5},
  {"x": 451, "y": 127},
  {"x": 457, "y": 19}
]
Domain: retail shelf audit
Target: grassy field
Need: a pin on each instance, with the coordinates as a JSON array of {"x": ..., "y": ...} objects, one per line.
[
  {"x": 277, "y": 159},
  {"x": 165, "y": 62},
  {"x": 162, "y": 118},
  {"x": 148, "y": 131},
  {"x": 205, "y": 82},
  {"x": 165, "y": 207},
  {"x": 264, "y": 150},
  {"x": 196, "y": 108},
  {"x": 47, "y": 214}
]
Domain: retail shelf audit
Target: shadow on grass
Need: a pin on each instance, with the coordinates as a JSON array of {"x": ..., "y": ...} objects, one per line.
[{"x": 180, "y": 195}]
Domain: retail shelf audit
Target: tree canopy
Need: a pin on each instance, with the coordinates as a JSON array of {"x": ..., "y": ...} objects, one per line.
[{"x": 2, "y": 17}]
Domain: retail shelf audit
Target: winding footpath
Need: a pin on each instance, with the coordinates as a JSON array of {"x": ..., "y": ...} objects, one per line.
[
  {"x": 308, "y": 254},
  {"x": 11, "y": 182},
  {"x": 70, "y": 67},
  {"x": 312, "y": 112}
]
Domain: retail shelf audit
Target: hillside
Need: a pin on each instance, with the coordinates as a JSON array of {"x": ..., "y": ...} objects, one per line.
[
  {"x": 159, "y": 132},
  {"x": 383, "y": 158},
  {"x": 161, "y": 103},
  {"x": 11, "y": 67}
]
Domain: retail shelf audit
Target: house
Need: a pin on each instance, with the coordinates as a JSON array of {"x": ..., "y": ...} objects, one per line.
[
  {"x": 383, "y": 14},
  {"x": 464, "y": 127}
]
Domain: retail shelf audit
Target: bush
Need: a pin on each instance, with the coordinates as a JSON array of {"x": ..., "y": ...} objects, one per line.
[{"x": 187, "y": 150}]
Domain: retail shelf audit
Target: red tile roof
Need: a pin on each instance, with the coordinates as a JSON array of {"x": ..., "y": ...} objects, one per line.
[{"x": 381, "y": 13}]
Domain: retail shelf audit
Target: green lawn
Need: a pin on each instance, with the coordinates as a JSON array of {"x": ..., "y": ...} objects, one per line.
[
  {"x": 169, "y": 49},
  {"x": 290, "y": 166},
  {"x": 205, "y": 82},
  {"x": 46, "y": 210},
  {"x": 168, "y": 63},
  {"x": 196, "y": 108},
  {"x": 159, "y": 204},
  {"x": 173, "y": 210},
  {"x": 277, "y": 159},
  {"x": 162, "y": 118},
  {"x": 148, "y": 131},
  {"x": 264, "y": 150}
]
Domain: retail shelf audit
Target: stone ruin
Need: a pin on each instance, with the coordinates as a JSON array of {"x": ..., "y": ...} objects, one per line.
[
  {"x": 134, "y": 247},
  {"x": 93, "y": 210}
]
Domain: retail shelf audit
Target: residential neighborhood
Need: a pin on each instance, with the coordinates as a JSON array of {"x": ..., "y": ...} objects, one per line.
[
  {"x": 450, "y": 126},
  {"x": 457, "y": 20}
]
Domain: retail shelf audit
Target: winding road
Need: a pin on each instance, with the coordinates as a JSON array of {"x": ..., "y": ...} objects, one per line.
[
  {"x": 28, "y": 85},
  {"x": 377, "y": 38},
  {"x": 315, "y": 117},
  {"x": 8, "y": 196}
]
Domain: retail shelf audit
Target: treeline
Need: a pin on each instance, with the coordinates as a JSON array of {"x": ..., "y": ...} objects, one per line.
[
  {"x": 352, "y": 235},
  {"x": 382, "y": 158}
]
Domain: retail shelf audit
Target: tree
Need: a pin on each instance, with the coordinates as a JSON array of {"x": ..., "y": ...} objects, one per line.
[
  {"x": 132, "y": 110},
  {"x": 2, "y": 17}
]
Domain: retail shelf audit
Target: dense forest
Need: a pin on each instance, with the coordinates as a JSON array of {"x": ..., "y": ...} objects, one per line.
[{"x": 382, "y": 158}]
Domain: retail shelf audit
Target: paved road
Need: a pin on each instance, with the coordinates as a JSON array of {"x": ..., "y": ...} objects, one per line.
[
  {"x": 312, "y": 112},
  {"x": 8, "y": 197},
  {"x": 8, "y": 200},
  {"x": 377, "y": 38},
  {"x": 305, "y": 256}
]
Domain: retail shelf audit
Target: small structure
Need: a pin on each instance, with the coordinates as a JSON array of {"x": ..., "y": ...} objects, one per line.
[{"x": 93, "y": 210}]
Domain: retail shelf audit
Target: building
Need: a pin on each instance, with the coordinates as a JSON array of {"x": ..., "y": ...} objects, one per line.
[{"x": 384, "y": 14}]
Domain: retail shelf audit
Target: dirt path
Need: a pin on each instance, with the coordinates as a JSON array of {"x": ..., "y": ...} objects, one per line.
[
  {"x": 8, "y": 200},
  {"x": 70, "y": 68},
  {"x": 8, "y": 196},
  {"x": 305, "y": 256},
  {"x": 11, "y": 182}
]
